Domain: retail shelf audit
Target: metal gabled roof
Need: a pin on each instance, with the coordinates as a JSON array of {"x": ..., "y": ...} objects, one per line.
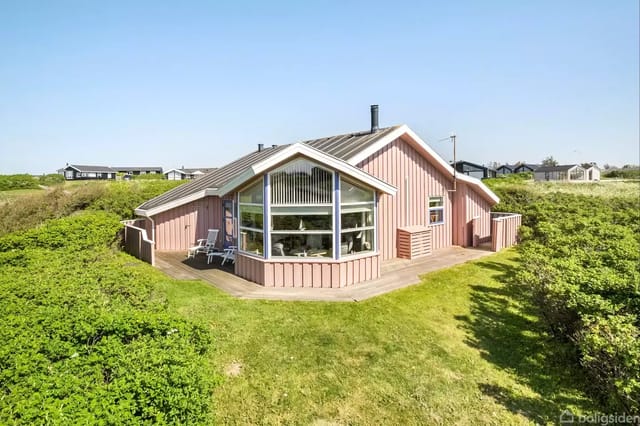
[
  {"x": 561, "y": 168},
  {"x": 346, "y": 146},
  {"x": 213, "y": 179},
  {"x": 89, "y": 169}
]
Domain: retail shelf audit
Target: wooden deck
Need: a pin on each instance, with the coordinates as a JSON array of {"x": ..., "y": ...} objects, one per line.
[{"x": 396, "y": 273}]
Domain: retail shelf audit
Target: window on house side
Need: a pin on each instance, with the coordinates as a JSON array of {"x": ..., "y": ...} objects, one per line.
[
  {"x": 436, "y": 210},
  {"x": 251, "y": 219}
]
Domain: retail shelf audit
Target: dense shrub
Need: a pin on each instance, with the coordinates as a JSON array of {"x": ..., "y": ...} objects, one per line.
[
  {"x": 622, "y": 174},
  {"x": 24, "y": 181},
  {"x": 86, "y": 336},
  {"x": 122, "y": 197},
  {"x": 51, "y": 179},
  {"x": 580, "y": 263},
  {"x": 116, "y": 197}
]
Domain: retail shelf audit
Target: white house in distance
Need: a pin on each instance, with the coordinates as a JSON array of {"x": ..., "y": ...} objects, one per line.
[
  {"x": 181, "y": 174},
  {"x": 592, "y": 173},
  {"x": 567, "y": 173}
]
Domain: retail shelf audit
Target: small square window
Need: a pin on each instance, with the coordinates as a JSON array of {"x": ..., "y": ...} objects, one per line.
[{"x": 436, "y": 210}]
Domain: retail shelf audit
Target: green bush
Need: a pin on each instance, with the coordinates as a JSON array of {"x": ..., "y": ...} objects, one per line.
[
  {"x": 622, "y": 174},
  {"x": 117, "y": 197},
  {"x": 51, "y": 179},
  {"x": 87, "y": 338},
  {"x": 580, "y": 264},
  {"x": 24, "y": 181}
]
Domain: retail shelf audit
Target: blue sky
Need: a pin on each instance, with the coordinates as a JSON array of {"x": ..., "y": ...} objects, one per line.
[{"x": 201, "y": 83}]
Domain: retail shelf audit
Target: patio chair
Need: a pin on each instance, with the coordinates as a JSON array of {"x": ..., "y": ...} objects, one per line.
[
  {"x": 204, "y": 245},
  {"x": 229, "y": 254},
  {"x": 277, "y": 249}
]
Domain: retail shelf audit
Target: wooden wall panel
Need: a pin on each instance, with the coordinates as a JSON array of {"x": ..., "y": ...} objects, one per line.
[
  {"x": 416, "y": 180},
  {"x": 179, "y": 228},
  {"x": 308, "y": 273}
]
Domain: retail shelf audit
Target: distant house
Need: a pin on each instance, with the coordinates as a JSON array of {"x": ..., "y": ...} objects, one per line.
[
  {"x": 475, "y": 170},
  {"x": 136, "y": 171},
  {"x": 76, "y": 172},
  {"x": 524, "y": 167},
  {"x": 592, "y": 173},
  {"x": 564, "y": 173},
  {"x": 181, "y": 174},
  {"x": 506, "y": 169}
]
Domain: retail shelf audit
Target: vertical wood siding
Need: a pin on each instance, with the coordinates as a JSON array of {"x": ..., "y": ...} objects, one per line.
[
  {"x": 401, "y": 165},
  {"x": 479, "y": 209},
  {"x": 137, "y": 243},
  {"x": 393, "y": 164},
  {"x": 312, "y": 273},
  {"x": 179, "y": 228},
  {"x": 504, "y": 230}
]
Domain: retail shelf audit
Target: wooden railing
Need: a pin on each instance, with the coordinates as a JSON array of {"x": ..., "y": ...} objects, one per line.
[
  {"x": 136, "y": 242},
  {"x": 504, "y": 230}
]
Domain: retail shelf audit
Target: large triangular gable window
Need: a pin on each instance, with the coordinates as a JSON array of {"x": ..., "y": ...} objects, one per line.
[{"x": 302, "y": 210}]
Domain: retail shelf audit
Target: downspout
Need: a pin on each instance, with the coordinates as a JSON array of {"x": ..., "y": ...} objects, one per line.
[
  {"x": 153, "y": 231},
  {"x": 406, "y": 201}
]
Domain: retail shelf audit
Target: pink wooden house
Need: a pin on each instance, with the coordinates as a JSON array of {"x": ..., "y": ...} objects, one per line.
[{"x": 326, "y": 212}]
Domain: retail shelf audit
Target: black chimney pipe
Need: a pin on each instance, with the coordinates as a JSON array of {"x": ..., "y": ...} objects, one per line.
[
  {"x": 374, "y": 118},
  {"x": 260, "y": 147}
]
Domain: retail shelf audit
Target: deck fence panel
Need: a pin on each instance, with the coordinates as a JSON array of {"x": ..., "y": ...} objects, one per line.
[{"x": 504, "y": 230}]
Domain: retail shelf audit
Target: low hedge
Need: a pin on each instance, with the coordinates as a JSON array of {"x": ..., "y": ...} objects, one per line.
[{"x": 86, "y": 336}]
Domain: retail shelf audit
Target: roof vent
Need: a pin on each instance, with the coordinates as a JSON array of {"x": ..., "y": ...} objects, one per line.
[
  {"x": 374, "y": 118},
  {"x": 260, "y": 147},
  {"x": 274, "y": 146}
]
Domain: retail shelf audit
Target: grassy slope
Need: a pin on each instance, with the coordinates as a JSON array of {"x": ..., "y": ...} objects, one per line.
[{"x": 459, "y": 348}]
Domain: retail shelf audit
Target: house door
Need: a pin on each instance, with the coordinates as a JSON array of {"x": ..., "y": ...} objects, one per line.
[{"x": 228, "y": 223}]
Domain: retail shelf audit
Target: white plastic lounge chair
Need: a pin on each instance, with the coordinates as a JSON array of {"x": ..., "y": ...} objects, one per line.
[
  {"x": 204, "y": 245},
  {"x": 229, "y": 254},
  {"x": 277, "y": 249}
]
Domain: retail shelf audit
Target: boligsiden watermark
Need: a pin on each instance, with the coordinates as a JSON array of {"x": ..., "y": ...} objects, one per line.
[{"x": 567, "y": 418}]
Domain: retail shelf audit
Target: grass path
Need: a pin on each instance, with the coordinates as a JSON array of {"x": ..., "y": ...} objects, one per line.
[{"x": 457, "y": 349}]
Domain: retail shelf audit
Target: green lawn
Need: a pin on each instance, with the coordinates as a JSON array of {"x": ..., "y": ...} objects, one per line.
[{"x": 457, "y": 349}]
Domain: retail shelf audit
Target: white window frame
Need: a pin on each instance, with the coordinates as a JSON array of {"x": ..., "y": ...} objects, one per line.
[
  {"x": 439, "y": 208},
  {"x": 241, "y": 228},
  {"x": 372, "y": 205},
  {"x": 331, "y": 232}
]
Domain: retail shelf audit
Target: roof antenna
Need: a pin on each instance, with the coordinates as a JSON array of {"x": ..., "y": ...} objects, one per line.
[{"x": 452, "y": 137}]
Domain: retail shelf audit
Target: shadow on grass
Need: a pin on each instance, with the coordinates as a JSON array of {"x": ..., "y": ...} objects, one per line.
[{"x": 504, "y": 327}]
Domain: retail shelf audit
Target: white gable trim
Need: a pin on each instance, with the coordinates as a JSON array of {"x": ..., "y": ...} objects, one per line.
[
  {"x": 314, "y": 154},
  {"x": 174, "y": 170},
  {"x": 267, "y": 164},
  {"x": 430, "y": 154},
  {"x": 175, "y": 203}
]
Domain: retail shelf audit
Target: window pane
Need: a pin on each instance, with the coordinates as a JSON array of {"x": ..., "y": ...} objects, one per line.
[
  {"x": 351, "y": 193},
  {"x": 356, "y": 242},
  {"x": 250, "y": 219},
  {"x": 357, "y": 219},
  {"x": 301, "y": 182},
  {"x": 253, "y": 194},
  {"x": 436, "y": 215},
  {"x": 302, "y": 223},
  {"x": 436, "y": 202},
  {"x": 251, "y": 241},
  {"x": 302, "y": 245}
]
